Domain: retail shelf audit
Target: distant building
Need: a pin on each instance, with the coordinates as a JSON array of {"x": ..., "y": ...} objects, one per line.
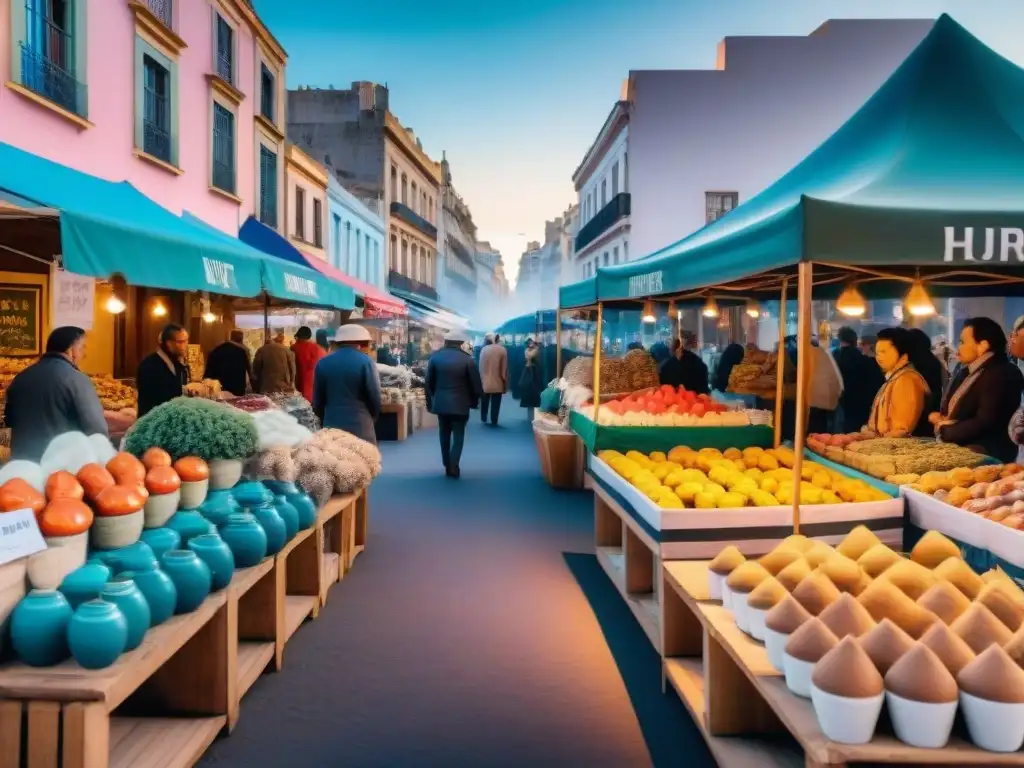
[
  {"x": 457, "y": 278},
  {"x": 306, "y": 202},
  {"x": 492, "y": 286},
  {"x": 357, "y": 242},
  {"x": 542, "y": 268}
]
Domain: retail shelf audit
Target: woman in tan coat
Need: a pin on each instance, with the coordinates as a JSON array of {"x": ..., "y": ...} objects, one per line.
[{"x": 494, "y": 376}]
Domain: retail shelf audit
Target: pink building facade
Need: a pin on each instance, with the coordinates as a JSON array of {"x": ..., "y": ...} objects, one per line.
[{"x": 185, "y": 99}]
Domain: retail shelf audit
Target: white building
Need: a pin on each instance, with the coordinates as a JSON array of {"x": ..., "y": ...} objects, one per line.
[
  {"x": 682, "y": 147},
  {"x": 457, "y": 268},
  {"x": 356, "y": 228},
  {"x": 492, "y": 287}
]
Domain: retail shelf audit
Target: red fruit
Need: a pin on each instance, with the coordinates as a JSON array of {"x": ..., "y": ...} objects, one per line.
[{"x": 698, "y": 410}]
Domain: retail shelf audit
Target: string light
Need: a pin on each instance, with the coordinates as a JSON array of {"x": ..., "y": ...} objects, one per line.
[
  {"x": 710, "y": 307},
  {"x": 918, "y": 302},
  {"x": 851, "y": 303},
  {"x": 649, "y": 312},
  {"x": 114, "y": 305}
]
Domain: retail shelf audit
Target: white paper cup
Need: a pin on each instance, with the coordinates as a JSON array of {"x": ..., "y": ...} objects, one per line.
[
  {"x": 775, "y": 642},
  {"x": 726, "y": 595},
  {"x": 993, "y": 725},
  {"x": 846, "y": 720},
  {"x": 739, "y": 611},
  {"x": 921, "y": 723},
  {"x": 715, "y": 583},
  {"x": 755, "y": 620},
  {"x": 798, "y": 674}
]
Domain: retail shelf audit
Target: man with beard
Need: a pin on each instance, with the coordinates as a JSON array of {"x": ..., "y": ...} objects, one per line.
[{"x": 163, "y": 375}]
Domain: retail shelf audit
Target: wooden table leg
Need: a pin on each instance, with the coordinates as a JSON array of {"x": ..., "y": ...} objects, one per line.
[
  {"x": 10, "y": 733},
  {"x": 43, "y": 734},
  {"x": 732, "y": 704},
  {"x": 86, "y": 736}
]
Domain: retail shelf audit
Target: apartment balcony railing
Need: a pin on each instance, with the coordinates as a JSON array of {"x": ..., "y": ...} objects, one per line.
[
  {"x": 46, "y": 69},
  {"x": 618, "y": 207},
  {"x": 224, "y": 176},
  {"x": 163, "y": 10},
  {"x": 406, "y": 214},
  {"x": 402, "y": 283},
  {"x": 225, "y": 70}
]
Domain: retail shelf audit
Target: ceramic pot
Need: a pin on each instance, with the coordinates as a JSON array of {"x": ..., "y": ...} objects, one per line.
[
  {"x": 305, "y": 506},
  {"x": 134, "y": 557},
  {"x": 39, "y": 628},
  {"x": 755, "y": 622},
  {"x": 251, "y": 493},
  {"x": 219, "y": 506},
  {"x": 193, "y": 494},
  {"x": 246, "y": 539},
  {"x": 273, "y": 525},
  {"x": 739, "y": 610},
  {"x": 160, "y": 540},
  {"x": 280, "y": 487},
  {"x": 159, "y": 590},
  {"x": 726, "y": 596},
  {"x": 191, "y": 577},
  {"x": 843, "y": 719},
  {"x": 715, "y": 583},
  {"x": 127, "y": 597},
  {"x": 189, "y": 524},
  {"x": 84, "y": 583},
  {"x": 798, "y": 675},
  {"x": 159, "y": 508},
  {"x": 118, "y": 531},
  {"x": 921, "y": 723},
  {"x": 225, "y": 473},
  {"x": 212, "y": 550},
  {"x": 775, "y": 644},
  {"x": 993, "y": 725},
  {"x": 47, "y": 569},
  {"x": 97, "y": 634},
  {"x": 13, "y": 587},
  {"x": 289, "y": 514}
]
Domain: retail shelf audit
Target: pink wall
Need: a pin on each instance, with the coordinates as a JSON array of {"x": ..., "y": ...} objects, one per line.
[{"x": 106, "y": 148}]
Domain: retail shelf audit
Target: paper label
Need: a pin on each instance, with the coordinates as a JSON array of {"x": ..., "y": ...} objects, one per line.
[
  {"x": 19, "y": 535},
  {"x": 73, "y": 300}
]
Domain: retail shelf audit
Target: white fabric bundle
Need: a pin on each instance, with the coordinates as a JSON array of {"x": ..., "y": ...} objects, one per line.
[{"x": 276, "y": 428}]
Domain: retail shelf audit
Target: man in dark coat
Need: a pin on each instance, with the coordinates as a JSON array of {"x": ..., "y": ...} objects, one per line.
[
  {"x": 346, "y": 387},
  {"x": 52, "y": 397},
  {"x": 229, "y": 363},
  {"x": 163, "y": 375},
  {"x": 862, "y": 378},
  {"x": 453, "y": 388},
  {"x": 684, "y": 368}
]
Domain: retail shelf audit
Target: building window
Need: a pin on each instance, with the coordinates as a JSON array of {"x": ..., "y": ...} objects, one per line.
[
  {"x": 393, "y": 257},
  {"x": 423, "y": 266},
  {"x": 604, "y": 192},
  {"x": 423, "y": 206},
  {"x": 225, "y": 50},
  {"x": 300, "y": 213},
  {"x": 430, "y": 210},
  {"x": 336, "y": 241},
  {"x": 156, "y": 115},
  {"x": 318, "y": 227},
  {"x": 405, "y": 189},
  {"x": 717, "y": 204},
  {"x": 606, "y": 258},
  {"x": 368, "y": 266},
  {"x": 405, "y": 258},
  {"x": 615, "y": 254},
  {"x": 268, "y": 187},
  {"x": 415, "y": 200},
  {"x": 223, "y": 149},
  {"x": 394, "y": 184},
  {"x": 268, "y": 92},
  {"x": 50, "y": 51},
  {"x": 358, "y": 266},
  {"x": 625, "y": 251},
  {"x": 615, "y": 179},
  {"x": 376, "y": 263}
]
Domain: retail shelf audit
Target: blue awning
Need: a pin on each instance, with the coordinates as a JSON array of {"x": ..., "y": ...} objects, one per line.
[{"x": 431, "y": 313}]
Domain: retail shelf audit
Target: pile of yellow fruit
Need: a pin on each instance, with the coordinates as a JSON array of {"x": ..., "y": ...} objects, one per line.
[{"x": 752, "y": 477}]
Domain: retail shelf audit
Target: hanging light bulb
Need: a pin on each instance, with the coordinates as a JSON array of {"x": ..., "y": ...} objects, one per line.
[
  {"x": 918, "y": 302},
  {"x": 209, "y": 317},
  {"x": 753, "y": 309},
  {"x": 159, "y": 310},
  {"x": 710, "y": 307},
  {"x": 114, "y": 305},
  {"x": 648, "y": 316},
  {"x": 851, "y": 303},
  {"x": 673, "y": 313}
]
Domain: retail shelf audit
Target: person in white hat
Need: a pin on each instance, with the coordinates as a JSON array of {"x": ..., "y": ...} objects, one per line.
[
  {"x": 346, "y": 388},
  {"x": 453, "y": 390}
]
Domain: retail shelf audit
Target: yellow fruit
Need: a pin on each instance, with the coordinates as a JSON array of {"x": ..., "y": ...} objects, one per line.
[
  {"x": 719, "y": 474},
  {"x": 670, "y": 501},
  {"x": 764, "y": 499},
  {"x": 785, "y": 456},
  {"x": 678, "y": 453},
  {"x": 810, "y": 495},
  {"x": 689, "y": 460},
  {"x": 714, "y": 489},
  {"x": 829, "y": 497},
  {"x": 688, "y": 491},
  {"x": 654, "y": 493},
  {"x": 861, "y": 496},
  {"x": 732, "y": 453},
  {"x": 710, "y": 452},
  {"x": 821, "y": 479},
  {"x": 769, "y": 484},
  {"x": 703, "y": 462},
  {"x": 704, "y": 501},
  {"x": 674, "y": 478},
  {"x": 753, "y": 450},
  {"x": 745, "y": 486},
  {"x": 639, "y": 458},
  {"x": 767, "y": 462},
  {"x": 808, "y": 469},
  {"x": 731, "y": 500},
  {"x": 846, "y": 490},
  {"x": 661, "y": 471},
  {"x": 754, "y": 473},
  {"x": 657, "y": 456},
  {"x": 750, "y": 460},
  {"x": 694, "y": 476}
]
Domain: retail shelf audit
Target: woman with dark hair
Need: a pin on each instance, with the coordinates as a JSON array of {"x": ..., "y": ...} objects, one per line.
[
  {"x": 929, "y": 366},
  {"x": 732, "y": 355},
  {"x": 980, "y": 401},
  {"x": 900, "y": 403}
]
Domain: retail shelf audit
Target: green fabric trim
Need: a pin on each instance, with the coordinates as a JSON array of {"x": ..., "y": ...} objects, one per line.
[{"x": 664, "y": 439}]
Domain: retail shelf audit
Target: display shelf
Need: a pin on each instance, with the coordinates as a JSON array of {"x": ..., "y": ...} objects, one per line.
[
  {"x": 743, "y": 695},
  {"x": 160, "y": 742},
  {"x": 296, "y": 609},
  {"x": 253, "y": 658},
  {"x": 329, "y": 563},
  {"x": 644, "y": 607}
]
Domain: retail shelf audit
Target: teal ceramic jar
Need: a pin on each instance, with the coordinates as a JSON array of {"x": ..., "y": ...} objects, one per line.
[
  {"x": 191, "y": 577},
  {"x": 273, "y": 525},
  {"x": 97, "y": 634},
  {"x": 289, "y": 514},
  {"x": 85, "y": 583},
  {"x": 252, "y": 493},
  {"x": 159, "y": 590},
  {"x": 39, "y": 628},
  {"x": 305, "y": 506},
  {"x": 219, "y": 506},
  {"x": 189, "y": 523},
  {"x": 245, "y": 538},
  {"x": 161, "y": 540},
  {"x": 127, "y": 597},
  {"x": 280, "y": 488},
  {"x": 213, "y": 551},
  {"x": 134, "y": 557}
]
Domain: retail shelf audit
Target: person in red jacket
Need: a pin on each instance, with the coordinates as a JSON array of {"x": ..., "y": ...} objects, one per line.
[{"x": 307, "y": 354}]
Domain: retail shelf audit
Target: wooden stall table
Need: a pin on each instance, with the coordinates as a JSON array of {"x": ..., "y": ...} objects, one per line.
[
  {"x": 393, "y": 423},
  {"x": 741, "y": 703}
]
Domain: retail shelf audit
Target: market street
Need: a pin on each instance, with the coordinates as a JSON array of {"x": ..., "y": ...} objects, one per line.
[{"x": 476, "y": 629}]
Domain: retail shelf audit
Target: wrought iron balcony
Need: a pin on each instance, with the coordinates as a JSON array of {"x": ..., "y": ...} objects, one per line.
[
  {"x": 224, "y": 67},
  {"x": 163, "y": 10},
  {"x": 618, "y": 207},
  {"x": 224, "y": 176},
  {"x": 400, "y": 282},
  {"x": 406, "y": 214},
  {"x": 156, "y": 140},
  {"x": 47, "y": 73}
]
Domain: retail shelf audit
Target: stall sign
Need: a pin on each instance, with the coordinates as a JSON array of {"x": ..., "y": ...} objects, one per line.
[
  {"x": 74, "y": 298},
  {"x": 19, "y": 320},
  {"x": 19, "y": 535},
  {"x": 300, "y": 285},
  {"x": 1000, "y": 244},
  {"x": 647, "y": 284}
]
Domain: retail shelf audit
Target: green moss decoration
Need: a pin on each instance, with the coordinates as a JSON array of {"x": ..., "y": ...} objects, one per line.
[{"x": 189, "y": 426}]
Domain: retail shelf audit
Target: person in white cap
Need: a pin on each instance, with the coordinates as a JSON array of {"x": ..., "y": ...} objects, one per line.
[
  {"x": 494, "y": 376},
  {"x": 346, "y": 388},
  {"x": 453, "y": 390}
]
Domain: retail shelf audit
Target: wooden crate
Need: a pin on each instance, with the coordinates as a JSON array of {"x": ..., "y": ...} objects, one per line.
[{"x": 727, "y": 683}]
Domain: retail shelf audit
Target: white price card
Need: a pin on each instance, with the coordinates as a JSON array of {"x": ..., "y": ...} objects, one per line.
[{"x": 19, "y": 535}]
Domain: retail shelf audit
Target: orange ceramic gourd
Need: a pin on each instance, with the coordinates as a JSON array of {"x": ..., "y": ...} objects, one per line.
[
  {"x": 18, "y": 494},
  {"x": 156, "y": 457},
  {"x": 63, "y": 485},
  {"x": 126, "y": 469},
  {"x": 119, "y": 500},
  {"x": 162, "y": 480},
  {"x": 94, "y": 479},
  {"x": 192, "y": 469},
  {"x": 65, "y": 517}
]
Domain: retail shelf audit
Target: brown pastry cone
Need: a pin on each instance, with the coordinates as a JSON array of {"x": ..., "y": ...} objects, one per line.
[
  {"x": 1015, "y": 648},
  {"x": 997, "y": 599},
  {"x": 864, "y": 583},
  {"x": 1009, "y": 586},
  {"x": 727, "y": 561},
  {"x": 885, "y": 644},
  {"x": 816, "y": 592},
  {"x": 979, "y": 628},
  {"x": 999, "y": 576},
  {"x": 786, "y": 617},
  {"x": 948, "y": 646},
  {"x": 993, "y": 676},
  {"x": 919, "y": 675},
  {"x": 818, "y": 553},
  {"x": 945, "y": 601},
  {"x": 932, "y": 549},
  {"x": 779, "y": 558},
  {"x": 847, "y": 670},
  {"x": 746, "y": 576},
  {"x": 811, "y": 641},
  {"x": 857, "y": 542},
  {"x": 885, "y": 601},
  {"x": 959, "y": 574},
  {"x": 877, "y": 559},
  {"x": 847, "y": 617},
  {"x": 843, "y": 572},
  {"x": 793, "y": 574},
  {"x": 767, "y": 594},
  {"x": 912, "y": 579},
  {"x": 797, "y": 541}
]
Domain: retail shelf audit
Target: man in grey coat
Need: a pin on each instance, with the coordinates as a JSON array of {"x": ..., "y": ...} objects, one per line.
[
  {"x": 453, "y": 389},
  {"x": 346, "y": 387},
  {"x": 274, "y": 367},
  {"x": 52, "y": 397},
  {"x": 493, "y": 376}
]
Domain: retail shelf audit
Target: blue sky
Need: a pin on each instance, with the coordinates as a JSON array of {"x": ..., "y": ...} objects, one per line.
[{"x": 515, "y": 92}]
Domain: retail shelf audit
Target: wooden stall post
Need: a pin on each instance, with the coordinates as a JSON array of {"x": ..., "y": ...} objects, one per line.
[
  {"x": 802, "y": 380},
  {"x": 597, "y": 360},
  {"x": 558, "y": 343},
  {"x": 780, "y": 364}
]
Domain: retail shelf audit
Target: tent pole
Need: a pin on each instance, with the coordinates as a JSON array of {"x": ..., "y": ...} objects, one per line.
[
  {"x": 597, "y": 361},
  {"x": 558, "y": 343},
  {"x": 803, "y": 369},
  {"x": 266, "y": 318},
  {"x": 780, "y": 364}
]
